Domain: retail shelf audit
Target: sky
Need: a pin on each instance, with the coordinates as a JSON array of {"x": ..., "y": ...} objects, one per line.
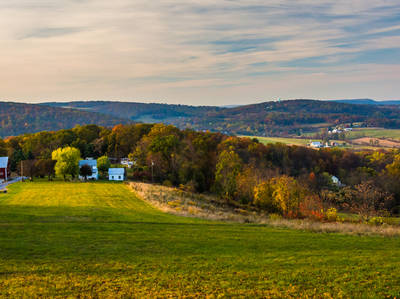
[{"x": 199, "y": 52}]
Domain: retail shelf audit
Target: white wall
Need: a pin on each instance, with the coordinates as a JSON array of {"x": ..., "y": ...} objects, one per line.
[{"x": 116, "y": 177}]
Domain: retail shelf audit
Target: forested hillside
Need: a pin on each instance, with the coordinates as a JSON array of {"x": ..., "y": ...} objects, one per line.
[
  {"x": 141, "y": 112},
  {"x": 286, "y": 118},
  {"x": 265, "y": 119},
  {"x": 367, "y": 102},
  {"x": 19, "y": 118},
  {"x": 295, "y": 117}
]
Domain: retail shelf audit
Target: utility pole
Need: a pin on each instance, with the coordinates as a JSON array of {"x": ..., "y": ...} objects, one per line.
[{"x": 22, "y": 170}]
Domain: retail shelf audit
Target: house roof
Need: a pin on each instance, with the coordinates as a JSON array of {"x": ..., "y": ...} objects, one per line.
[
  {"x": 3, "y": 162},
  {"x": 116, "y": 171},
  {"x": 92, "y": 163}
]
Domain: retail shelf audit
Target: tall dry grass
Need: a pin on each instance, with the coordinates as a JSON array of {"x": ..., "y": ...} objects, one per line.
[{"x": 182, "y": 203}]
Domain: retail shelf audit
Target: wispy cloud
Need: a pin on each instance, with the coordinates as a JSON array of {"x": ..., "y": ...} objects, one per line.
[
  {"x": 51, "y": 32},
  {"x": 198, "y": 51}
]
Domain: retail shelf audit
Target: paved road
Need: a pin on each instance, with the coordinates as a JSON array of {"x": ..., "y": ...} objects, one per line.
[{"x": 4, "y": 185}]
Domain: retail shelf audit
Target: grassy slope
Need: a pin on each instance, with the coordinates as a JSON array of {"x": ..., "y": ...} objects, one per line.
[
  {"x": 374, "y": 132},
  {"x": 65, "y": 239},
  {"x": 304, "y": 142}
]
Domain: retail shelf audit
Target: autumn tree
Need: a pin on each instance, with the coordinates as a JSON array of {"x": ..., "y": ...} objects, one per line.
[
  {"x": 282, "y": 194},
  {"x": 228, "y": 167},
  {"x": 264, "y": 197},
  {"x": 369, "y": 200},
  {"x": 103, "y": 164},
  {"x": 85, "y": 171},
  {"x": 29, "y": 168},
  {"x": 67, "y": 161},
  {"x": 45, "y": 167},
  {"x": 394, "y": 168},
  {"x": 3, "y": 148}
]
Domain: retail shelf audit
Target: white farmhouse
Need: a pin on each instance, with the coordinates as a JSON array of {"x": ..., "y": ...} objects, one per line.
[
  {"x": 336, "y": 181},
  {"x": 93, "y": 164},
  {"x": 316, "y": 144},
  {"x": 126, "y": 162},
  {"x": 116, "y": 174}
]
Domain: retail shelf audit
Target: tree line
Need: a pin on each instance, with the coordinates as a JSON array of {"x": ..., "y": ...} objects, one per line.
[{"x": 293, "y": 181}]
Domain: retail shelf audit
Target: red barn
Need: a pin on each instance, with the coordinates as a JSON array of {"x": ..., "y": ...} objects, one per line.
[{"x": 4, "y": 169}]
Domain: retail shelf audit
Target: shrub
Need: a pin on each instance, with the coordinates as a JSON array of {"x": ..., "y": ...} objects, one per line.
[
  {"x": 331, "y": 214},
  {"x": 275, "y": 216},
  {"x": 376, "y": 221},
  {"x": 311, "y": 207}
]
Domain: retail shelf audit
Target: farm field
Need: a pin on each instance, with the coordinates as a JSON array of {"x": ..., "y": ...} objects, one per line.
[
  {"x": 360, "y": 143},
  {"x": 288, "y": 141},
  {"x": 99, "y": 240},
  {"x": 373, "y": 133}
]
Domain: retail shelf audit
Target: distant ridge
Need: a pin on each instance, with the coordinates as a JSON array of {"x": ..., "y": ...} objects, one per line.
[
  {"x": 271, "y": 118},
  {"x": 21, "y": 118},
  {"x": 366, "y": 102}
]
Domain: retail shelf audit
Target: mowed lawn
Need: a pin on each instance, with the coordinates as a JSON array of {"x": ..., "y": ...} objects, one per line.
[{"x": 98, "y": 240}]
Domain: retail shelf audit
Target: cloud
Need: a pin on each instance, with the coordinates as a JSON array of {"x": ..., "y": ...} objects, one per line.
[
  {"x": 194, "y": 51},
  {"x": 51, "y": 32}
]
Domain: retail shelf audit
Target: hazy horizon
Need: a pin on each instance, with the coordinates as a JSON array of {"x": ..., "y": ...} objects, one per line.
[
  {"x": 171, "y": 103},
  {"x": 199, "y": 52}
]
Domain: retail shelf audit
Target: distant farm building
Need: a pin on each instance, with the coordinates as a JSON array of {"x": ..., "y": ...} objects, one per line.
[
  {"x": 93, "y": 165},
  {"x": 336, "y": 181},
  {"x": 116, "y": 174},
  {"x": 316, "y": 144},
  {"x": 126, "y": 162},
  {"x": 4, "y": 169}
]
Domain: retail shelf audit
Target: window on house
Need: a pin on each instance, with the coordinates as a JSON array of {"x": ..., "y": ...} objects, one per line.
[{"x": 119, "y": 177}]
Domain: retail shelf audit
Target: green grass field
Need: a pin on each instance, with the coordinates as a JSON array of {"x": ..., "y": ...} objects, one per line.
[
  {"x": 98, "y": 240},
  {"x": 373, "y": 133},
  {"x": 289, "y": 141}
]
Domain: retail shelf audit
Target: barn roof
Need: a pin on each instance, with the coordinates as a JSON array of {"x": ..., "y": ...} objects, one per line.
[
  {"x": 3, "y": 162},
  {"x": 92, "y": 163}
]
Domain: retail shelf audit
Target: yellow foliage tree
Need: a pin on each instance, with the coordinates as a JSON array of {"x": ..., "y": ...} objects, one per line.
[
  {"x": 394, "y": 168},
  {"x": 282, "y": 194}
]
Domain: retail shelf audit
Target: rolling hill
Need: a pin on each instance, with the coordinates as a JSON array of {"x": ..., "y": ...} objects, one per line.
[
  {"x": 141, "y": 112},
  {"x": 294, "y": 117},
  {"x": 19, "y": 118},
  {"x": 367, "y": 102},
  {"x": 283, "y": 118},
  {"x": 100, "y": 240}
]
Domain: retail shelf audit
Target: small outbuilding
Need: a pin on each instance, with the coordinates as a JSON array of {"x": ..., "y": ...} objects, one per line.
[
  {"x": 116, "y": 174},
  {"x": 336, "y": 181},
  {"x": 316, "y": 144}
]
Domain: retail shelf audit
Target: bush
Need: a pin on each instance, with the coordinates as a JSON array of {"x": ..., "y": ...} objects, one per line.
[
  {"x": 311, "y": 207},
  {"x": 376, "y": 221},
  {"x": 275, "y": 216},
  {"x": 331, "y": 214}
]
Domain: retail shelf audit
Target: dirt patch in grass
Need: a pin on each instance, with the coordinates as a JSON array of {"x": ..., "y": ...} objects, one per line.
[{"x": 378, "y": 142}]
